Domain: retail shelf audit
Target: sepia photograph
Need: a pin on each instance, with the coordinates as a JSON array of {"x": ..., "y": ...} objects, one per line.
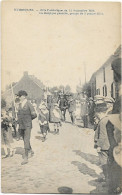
[{"x": 61, "y": 97}]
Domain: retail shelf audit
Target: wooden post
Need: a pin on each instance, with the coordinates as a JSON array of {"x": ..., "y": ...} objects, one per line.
[{"x": 13, "y": 98}]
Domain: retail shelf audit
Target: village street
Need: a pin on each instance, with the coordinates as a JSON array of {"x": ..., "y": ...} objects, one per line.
[{"x": 64, "y": 163}]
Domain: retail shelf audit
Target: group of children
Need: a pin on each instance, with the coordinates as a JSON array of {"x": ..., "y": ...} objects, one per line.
[
  {"x": 46, "y": 116},
  {"x": 8, "y": 126}
]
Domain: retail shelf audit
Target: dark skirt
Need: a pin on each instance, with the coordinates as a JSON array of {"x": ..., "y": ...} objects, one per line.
[{"x": 6, "y": 136}]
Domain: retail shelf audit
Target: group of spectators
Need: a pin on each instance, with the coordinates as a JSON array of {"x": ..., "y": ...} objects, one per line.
[
  {"x": 100, "y": 112},
  {"x": 20, "y": 119},
  {"x": 107, "y": 140}
]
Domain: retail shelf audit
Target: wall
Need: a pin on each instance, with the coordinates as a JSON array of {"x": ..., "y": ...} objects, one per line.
[
  {"x": 100, "y": 83},
  {"x": 33, "y": 90}
]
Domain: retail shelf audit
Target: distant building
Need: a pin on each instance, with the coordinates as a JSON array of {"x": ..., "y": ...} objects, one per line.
[
  {"x": 103, "y": 80},
  {"x": 33, "y": 86}
]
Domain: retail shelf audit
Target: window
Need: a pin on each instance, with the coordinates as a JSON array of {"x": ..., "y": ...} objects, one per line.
[
  {"x": 113, "y": 90},
  {"x": 105, "y": 90},
  {"x": 98, "y": 92},
  {"x": 117, "y": 90},
  {"x": 104, "y": 75}
]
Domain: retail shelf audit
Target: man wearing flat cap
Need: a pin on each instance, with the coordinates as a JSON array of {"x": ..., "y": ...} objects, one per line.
[{"x": 26, "y": 114}]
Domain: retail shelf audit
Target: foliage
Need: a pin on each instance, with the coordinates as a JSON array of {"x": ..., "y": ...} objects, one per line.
[
  {"x": 3, "y": 103},
  {"x": 9, "y": 86},
  {"x": 87, "y": 89},
  {"x": 54, "y": 89},
  {"x": 78, "y": 89},
  {"x": 67, "y": 89},
  {"x": 61, "y": 88}
]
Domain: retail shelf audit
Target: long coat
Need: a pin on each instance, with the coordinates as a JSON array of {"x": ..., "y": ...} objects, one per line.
[
  {"x": 101, "y": 136},
  {"x": 55, "y": 115},
  {"x": 62, "y": 104},
  {"x": 84, "y": 108},
  {"x": 43, "y": 116},
  {"x": 72, "y": 106},
  {"x": 26, "y": 115}
]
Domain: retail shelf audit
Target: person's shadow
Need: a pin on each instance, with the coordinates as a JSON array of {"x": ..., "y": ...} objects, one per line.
[
  {"x": 84, "y": 169},
  {"x": 65, "y": 190},
  {"x": 21, "y": 151},
  {"x": 38, "y": 137},
  {"x": 93, "y": 159}
]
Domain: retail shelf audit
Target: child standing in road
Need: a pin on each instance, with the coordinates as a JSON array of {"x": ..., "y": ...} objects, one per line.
[
  {"x": 43, "y": 119},
  {"x": 56, "y": 118},
  {"x": 6, "y": 133}
]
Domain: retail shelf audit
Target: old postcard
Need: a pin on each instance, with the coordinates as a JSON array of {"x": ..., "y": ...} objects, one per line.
[{"x": 61, "y": 97}]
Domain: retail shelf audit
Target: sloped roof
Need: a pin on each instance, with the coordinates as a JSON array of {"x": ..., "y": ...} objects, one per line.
[
  {"x": 32, "y": 77},
  {"x": 116, "y": 55},
  {"x": 36, "y": 81}
]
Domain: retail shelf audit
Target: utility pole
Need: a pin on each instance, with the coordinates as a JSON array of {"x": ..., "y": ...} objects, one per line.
[
  {"x": 12, "y": 92},
  {"x": 85, "y": 72},
  {"x": 85, "y": 76}
]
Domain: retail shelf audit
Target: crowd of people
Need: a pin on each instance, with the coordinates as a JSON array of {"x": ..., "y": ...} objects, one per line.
[
  {"x": 107, "y": 139},
  {"x": 95, "y": 111},
  {"x": 18, "y": 119}
]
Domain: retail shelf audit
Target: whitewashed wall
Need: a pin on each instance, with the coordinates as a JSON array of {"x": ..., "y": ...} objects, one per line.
[{"x": 108, "y": 79}]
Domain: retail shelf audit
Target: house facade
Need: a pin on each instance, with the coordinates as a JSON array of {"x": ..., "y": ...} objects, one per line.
[
  {"x": 102, "y": 81},
  {"x": 30, "y": 84}
]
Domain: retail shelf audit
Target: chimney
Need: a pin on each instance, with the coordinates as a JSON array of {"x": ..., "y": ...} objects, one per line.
[{"x": 25, "y": 73}]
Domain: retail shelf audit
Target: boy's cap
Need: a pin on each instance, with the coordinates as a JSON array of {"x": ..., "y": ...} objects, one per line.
[
  {"x": 10, "y": 109},
  {"x": 91, "y": 99},
  {"x": 22, "y": 93},
  {"x": 56, "y": 105},
  {"x": 109, "y": 100},
  {"x": 42, "y": 106},
  {"x": 83, "y": 100}
]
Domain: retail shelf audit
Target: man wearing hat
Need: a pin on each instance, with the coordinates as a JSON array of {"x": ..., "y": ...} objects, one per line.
[
  {"x": 84, "y": 112},
  {"x": 91, "y": 109},
  {"x": 63, "y": 106},
  {"x": 72, "y": 108},
  {"x": 26, "y": 113}
]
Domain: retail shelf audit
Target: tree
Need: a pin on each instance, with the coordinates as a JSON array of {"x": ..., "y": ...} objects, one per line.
[
  {"x": 54, "y": 89},
  {"x": 3, "y": 103},
  {"x": 78, "y": 89},
  {"x": 9, "y": 86},
  {"x": 61, "y": 89},
  {"x": 67, "y": 89},
  {"x": 87, "y": 89}
]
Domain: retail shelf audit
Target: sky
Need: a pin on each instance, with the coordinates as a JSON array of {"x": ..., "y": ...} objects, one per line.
[{"x": 57, "y": 49}]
